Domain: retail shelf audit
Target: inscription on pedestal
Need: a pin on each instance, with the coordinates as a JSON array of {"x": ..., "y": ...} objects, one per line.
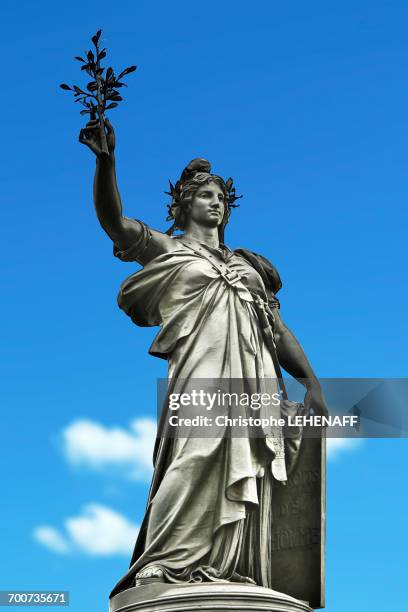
[{"x": 298, "y": 533}]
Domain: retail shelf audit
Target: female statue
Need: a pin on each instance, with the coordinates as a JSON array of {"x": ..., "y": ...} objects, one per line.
[{"x": 209, "y": 510}]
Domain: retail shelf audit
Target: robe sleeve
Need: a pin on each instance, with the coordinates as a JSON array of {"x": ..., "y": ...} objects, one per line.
[
  {"x": 268, "y": 273},
  {"x": 138, "y": 249}
]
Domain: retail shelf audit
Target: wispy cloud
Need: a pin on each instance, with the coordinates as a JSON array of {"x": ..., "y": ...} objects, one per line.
[
  {"x": 93, "y": 445},
  {"x": 97, "y": 531},
  {"x": 337, "y": 446},
  {"x": 51, "y": 538}
]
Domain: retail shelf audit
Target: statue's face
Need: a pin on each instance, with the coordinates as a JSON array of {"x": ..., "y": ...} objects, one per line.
[{"x": 208, "y": 205}]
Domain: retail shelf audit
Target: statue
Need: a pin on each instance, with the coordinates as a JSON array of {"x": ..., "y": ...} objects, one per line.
[{"x": 203, "y": 523}]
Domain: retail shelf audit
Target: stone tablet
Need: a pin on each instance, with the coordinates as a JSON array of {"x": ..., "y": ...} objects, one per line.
[{"x": 299, "y": 521}]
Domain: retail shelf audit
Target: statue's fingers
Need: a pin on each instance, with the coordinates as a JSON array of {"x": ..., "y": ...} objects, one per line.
[
  {"x": 86, "y": 137},
  {"x": 108, "y": 126},
  {"x": 83, "y": 136},
  {"x": 93, "y": 123}
]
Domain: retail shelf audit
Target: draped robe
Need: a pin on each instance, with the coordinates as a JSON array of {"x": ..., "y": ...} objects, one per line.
[{"x": 208, "y": 515}]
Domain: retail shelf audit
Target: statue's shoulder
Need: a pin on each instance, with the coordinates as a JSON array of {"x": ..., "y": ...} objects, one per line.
[
  {"x": 148, "y": 245},
  {"x": 264, "y": 267}
]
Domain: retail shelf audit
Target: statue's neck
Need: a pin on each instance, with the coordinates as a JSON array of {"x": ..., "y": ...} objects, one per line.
[{"x": 207, "y": 235}]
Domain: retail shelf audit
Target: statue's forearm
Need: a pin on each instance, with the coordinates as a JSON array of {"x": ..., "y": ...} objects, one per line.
[
  {"x": 106, "y": 196},
  {"x": 292, "y": 358}
]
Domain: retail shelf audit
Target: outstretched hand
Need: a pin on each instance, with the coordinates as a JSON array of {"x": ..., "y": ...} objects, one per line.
[{"x": 90, "y": 136}]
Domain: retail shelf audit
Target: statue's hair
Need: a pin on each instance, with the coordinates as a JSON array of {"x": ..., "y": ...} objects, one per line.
[{"x": 196, "y": 174}]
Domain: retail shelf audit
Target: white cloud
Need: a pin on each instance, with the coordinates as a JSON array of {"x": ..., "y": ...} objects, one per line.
[
  {"x": 102, "y": 531},
  {"x": 93, "y": 445},
  {"x": 98, "y": 531},
  {"x": 336, "y": 446},
  {"x": 52, "y": 539}
]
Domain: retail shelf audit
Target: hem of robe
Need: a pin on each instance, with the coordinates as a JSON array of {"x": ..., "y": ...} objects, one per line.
[
  {"x": 127, "y": 580},
  {"x": 248, "y": 508}
]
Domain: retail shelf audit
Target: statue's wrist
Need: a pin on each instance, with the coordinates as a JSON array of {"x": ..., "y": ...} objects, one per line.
[
  {"x": 105, "y": 160},
  {"x": 312, "y": 383}
]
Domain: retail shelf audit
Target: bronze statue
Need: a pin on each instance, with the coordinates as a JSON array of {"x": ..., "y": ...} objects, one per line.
[{"x": 209, "y": 511}]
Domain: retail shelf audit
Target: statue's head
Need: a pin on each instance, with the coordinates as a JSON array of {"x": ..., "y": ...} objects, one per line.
[{"x": 201, "y": 196}]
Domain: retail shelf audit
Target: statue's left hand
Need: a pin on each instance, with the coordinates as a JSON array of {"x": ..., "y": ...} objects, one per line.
[{"x": 315, "y": 401}]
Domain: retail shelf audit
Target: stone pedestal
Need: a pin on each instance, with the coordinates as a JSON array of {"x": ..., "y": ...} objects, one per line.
[{"x": 210, "y": 596}]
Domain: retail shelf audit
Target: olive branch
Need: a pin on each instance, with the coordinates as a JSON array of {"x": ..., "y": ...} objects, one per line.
[{"x": 102, "y": 92}]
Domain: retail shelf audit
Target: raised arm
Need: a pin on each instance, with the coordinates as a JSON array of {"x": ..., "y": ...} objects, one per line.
[
  {"x": 123, "y": 231},
  {"x": 292, "y": 358}
]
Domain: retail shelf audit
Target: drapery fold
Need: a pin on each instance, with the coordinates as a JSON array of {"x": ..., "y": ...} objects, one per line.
[{"x": 209, "y": 510}]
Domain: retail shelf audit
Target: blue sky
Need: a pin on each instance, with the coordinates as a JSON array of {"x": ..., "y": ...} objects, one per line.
[{"x": 305, "y": 105}]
